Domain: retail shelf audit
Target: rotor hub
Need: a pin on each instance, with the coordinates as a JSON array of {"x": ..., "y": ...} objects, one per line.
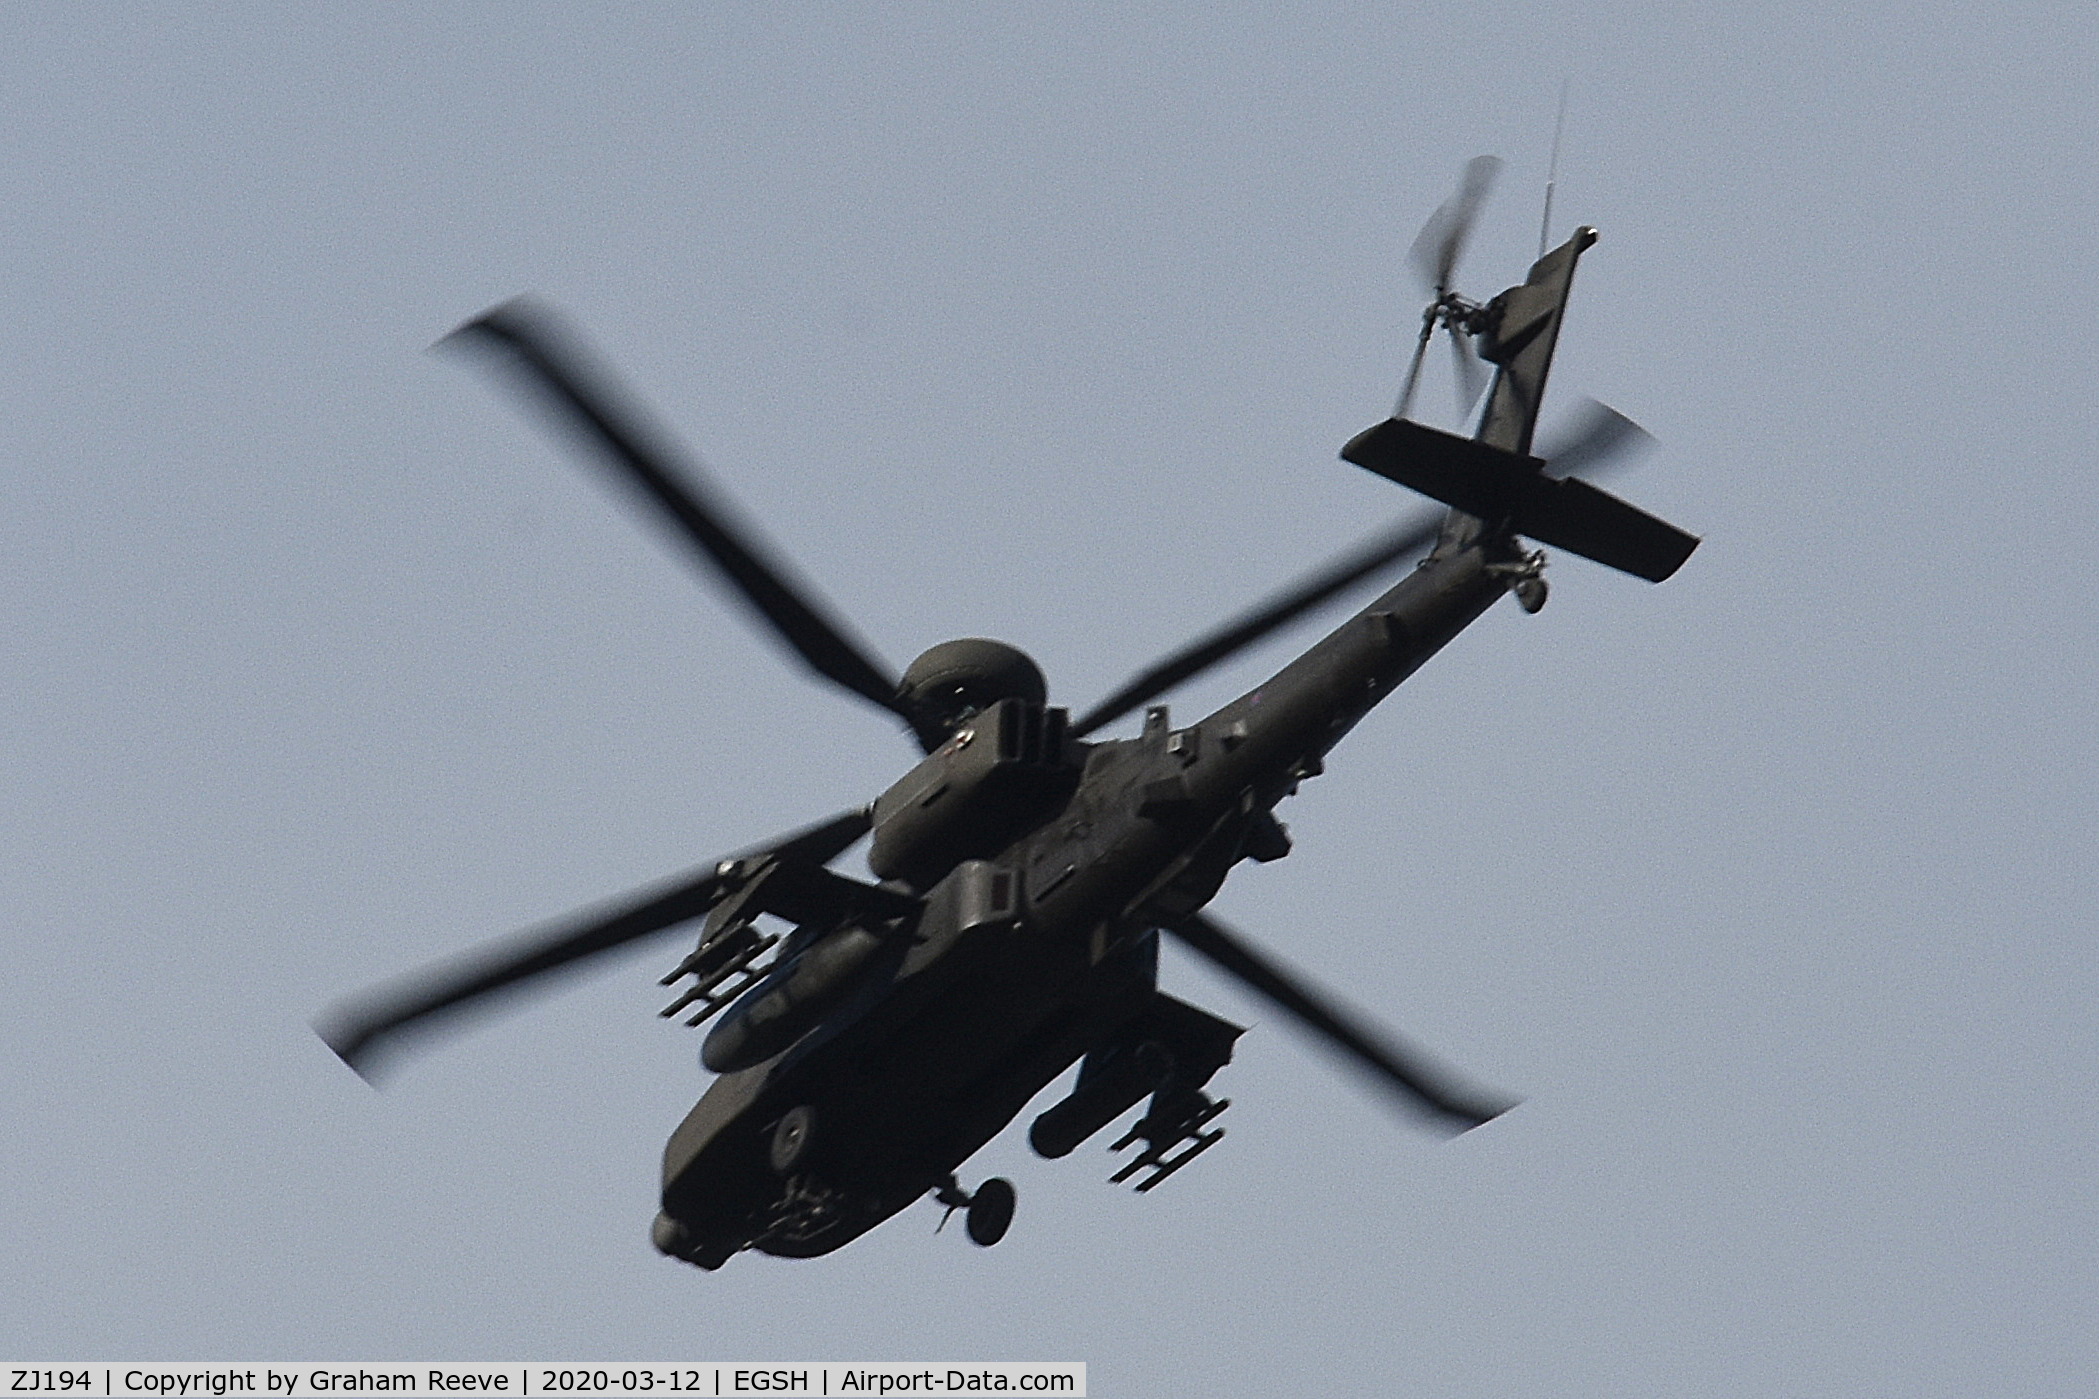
[{"x": 958, "y": 679}]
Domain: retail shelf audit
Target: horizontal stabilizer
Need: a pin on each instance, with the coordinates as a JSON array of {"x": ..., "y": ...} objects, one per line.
[{"x": 1513, "y": 490}]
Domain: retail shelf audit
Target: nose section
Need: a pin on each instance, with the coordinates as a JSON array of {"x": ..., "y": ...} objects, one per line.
[
  {"x": 674, "y": 1240},
  {"x": 669, "y": 1236}
]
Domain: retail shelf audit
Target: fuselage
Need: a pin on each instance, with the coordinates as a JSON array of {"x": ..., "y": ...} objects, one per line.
[
  {"x": 1025, "y": 875},
  {"x": 1025, "y": 961}
]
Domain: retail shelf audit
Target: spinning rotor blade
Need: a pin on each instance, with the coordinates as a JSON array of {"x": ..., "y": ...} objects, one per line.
[
  {"x": 1421, "y": 1084},
  {"x": 363, "y": 1028},
  {"x": 1408, "y": 537},
  {"x": 1471, "y": 371},
  {"x": 1600, "y": 436},
  {"x": 1441, "y": 241},
  {"x": 1599, "y": 439},
  {"x": 1435, "y": 255},
  {"x": 554, "y": 365},
  {"x": 1405, "y": 402}
]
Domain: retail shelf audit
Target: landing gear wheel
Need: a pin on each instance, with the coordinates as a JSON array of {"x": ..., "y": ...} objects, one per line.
[
  {"x": 791, "y": 1138},
  {"x": 990, "y": 1211}
]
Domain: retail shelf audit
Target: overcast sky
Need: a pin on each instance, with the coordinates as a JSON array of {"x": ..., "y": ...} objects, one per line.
[{"x": 1769, "y": 889}]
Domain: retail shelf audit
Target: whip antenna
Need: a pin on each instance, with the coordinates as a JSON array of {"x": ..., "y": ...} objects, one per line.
[{"x": 1552, "y": 172}]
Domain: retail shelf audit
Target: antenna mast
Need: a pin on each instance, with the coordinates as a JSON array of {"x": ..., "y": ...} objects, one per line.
[{"x": 1552, "y": 172}]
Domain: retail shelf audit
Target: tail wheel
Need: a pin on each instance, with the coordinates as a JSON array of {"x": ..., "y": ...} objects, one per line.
[
  {"x": 990, "y": 1212},
  {"x": 791, "y": 1137}
]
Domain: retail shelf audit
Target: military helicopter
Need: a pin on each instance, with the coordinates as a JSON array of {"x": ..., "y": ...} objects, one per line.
[{"x": 870, "y": 1036}]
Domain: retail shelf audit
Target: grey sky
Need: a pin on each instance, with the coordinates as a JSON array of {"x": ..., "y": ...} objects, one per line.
[{"x": 1769, "y": 889}]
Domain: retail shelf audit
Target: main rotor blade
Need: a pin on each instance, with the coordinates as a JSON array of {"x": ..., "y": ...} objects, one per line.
[
  {"x": 1409, "y": 536},
  {"x": 1421, "y": 1083},
  {"x": 554, "y": 365},
  {"x": 1441, "y": 241},
  {"x": 364, "y": 1028},
  {"x": 1599, "y": 436}
]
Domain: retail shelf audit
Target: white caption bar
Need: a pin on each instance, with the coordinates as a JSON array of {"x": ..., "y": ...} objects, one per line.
[{"x": 518, "y": 1380}]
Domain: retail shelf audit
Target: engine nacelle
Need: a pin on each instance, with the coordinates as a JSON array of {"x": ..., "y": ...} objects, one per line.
[{"x": 1000, "y": 772}]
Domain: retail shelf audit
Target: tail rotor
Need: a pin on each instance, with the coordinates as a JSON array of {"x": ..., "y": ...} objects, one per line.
[{"x": 1435, "y": 254}]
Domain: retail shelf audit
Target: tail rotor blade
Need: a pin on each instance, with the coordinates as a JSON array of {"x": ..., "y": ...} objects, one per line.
[
  {"x": 1441, "y": 241},
  {"x": 1471, "y": 372},
  {"x": 1418, "y": 1081},
  {"x": 1600, "y": 437},
  {"x": 1407, "y": 386},
  {"x": 366, "y": 1029},
  {"x": 554, "y": 366}
]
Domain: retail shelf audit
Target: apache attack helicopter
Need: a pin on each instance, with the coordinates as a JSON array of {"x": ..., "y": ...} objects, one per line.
[{"x": 1024, "y": 874}]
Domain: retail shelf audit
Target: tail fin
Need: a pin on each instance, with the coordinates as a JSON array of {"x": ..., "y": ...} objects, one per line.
[{"x": 1523, "y": 326}]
